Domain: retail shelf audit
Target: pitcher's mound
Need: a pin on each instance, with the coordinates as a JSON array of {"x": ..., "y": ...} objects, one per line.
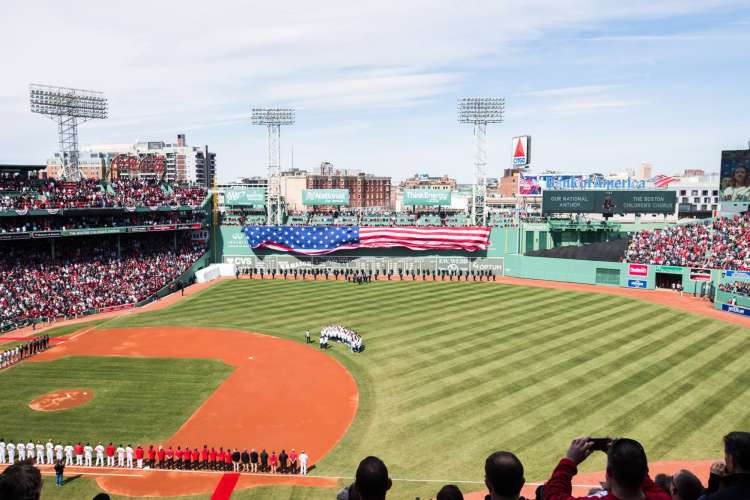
[{"x": 62, "y": 400}]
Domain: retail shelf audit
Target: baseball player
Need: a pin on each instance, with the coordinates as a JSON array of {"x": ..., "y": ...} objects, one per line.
[
  {"x": 303, "y": 463},
  {"x": 2, "y": 451},
  {"x": 59, "y": 452},
  {"x": 139, "y": 456},
  {"x": 21, "y": 449},
  {"x": 30, "y": 450},
  {"x": 169, "y": 454},
  {"x": 40, "y": 454},
  {"x": 129, "y": 457},
  {"x": 88, "y": 453},
  {"x": 110, "y": 455},
  {"x": 68, "y": 454},
  {"x": 120, "y": 456},
  {"x": 11, "y": 448},
  {"x": 99, "y": 455},
  {"x": 50, "y": 452},
  {"x": 78, "y": 449}
]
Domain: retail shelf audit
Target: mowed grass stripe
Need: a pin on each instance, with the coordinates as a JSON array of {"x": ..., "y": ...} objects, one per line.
[
  {"x": 441, "y": 380},
  {"x": 501, "y": 364}
]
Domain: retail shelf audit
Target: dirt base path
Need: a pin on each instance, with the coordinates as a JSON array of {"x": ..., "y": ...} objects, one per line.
[
  {"x": 584, "y": 482},
  {"x": 282, "y": 394}
]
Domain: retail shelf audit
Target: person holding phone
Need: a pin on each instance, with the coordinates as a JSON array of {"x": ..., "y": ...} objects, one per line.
[{"x": 627, "y": 471}]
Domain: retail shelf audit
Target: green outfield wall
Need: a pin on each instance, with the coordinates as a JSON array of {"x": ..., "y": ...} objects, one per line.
[{"x": 503, "y": 257}]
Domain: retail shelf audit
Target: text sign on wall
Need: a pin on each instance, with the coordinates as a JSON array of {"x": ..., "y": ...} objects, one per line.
[
  {"x": 637, "y": 283},
  {"x": 638, "y": 269},
  {"x": 609, "y": 202},
  {"x": 431, "y": 197},
  {"x": 325, "y": 196},
  {"x": 250, "y": 196},
  {"x": 735, "y": 309}
]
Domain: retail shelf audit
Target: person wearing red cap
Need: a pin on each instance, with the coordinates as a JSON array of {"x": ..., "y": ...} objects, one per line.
[
  {"x": 151, "y": 456},
  {"x": 212, "y": 458},
  {"x": 139, "y": 456},
  {"x": 204, "y": 457},
  {"x": 178, "y": 458},
  {"x": 228, "y": 459},
  {"x": 161, "y": 455},
  {"x": 196, "y": 459},
  {"x": 169, "y": 455},
  {"x": 110, "y": 452}
]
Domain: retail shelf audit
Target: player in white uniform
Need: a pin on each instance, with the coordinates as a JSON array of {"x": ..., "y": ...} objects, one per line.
[
  {"x": 68, "y": 454},
  {"x": 59, "y": 452},
  {"x": 30, "y": 449},
  {"x": 303, "y": 463},
  {"x": 40, "y": 454},
  {"x": 21, "y": 449},
  {"x": 2, "y": 451},
  {"x": 99, "y": 455},
  {"x": 68, "y": 450},
  {"x": 129, "y": 456},
  {"x": 50, "y": 452},
  {"x": 88, "y": 454},
  {"x": 11, "y": 453},
  {"x": 120, "y": 456}
]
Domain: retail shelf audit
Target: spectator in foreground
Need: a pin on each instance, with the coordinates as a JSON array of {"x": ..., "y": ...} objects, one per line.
[
  {"x": 627, "y": 472},
  {"x": 503, "y": 476},
  {"x": 372, "y": 481},
  {"x": 21, "y": 481},
  {"x": 450, "y": 492},
  {"x": 731, "y": 480},
  {"x": 686, "y": 486}
]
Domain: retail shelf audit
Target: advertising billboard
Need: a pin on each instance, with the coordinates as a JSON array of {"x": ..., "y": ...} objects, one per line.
[
  {"x": 638, "y": 270},
  {"x": 609, "y": 202},
  {"x": 735, "y": 175},
  {"x": 522, "y": 151},
  {"x": 534, "y": 185},
  {"x": 325, "y": 196},
  {"x": 245, "y": 196},
  {"x": 427, "y": 197}
]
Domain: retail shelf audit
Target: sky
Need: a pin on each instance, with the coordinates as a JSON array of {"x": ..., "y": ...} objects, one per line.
[{"x": 600, "y": 85}]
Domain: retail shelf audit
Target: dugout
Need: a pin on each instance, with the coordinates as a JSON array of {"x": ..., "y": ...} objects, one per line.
[{"x": 666, "y": 280}]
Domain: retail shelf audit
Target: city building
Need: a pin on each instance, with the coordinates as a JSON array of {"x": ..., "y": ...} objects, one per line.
[
  {"x": 183, "y": 163},
  {"x": 697, "y": 196},
  {"x": 424, "y": 181},
  {"x": 365, "y": 190}
]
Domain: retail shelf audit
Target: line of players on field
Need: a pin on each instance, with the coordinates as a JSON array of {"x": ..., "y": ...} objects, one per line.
[
  {"x": 12, "y": 356},
  {"x": 156, "y": 457}
]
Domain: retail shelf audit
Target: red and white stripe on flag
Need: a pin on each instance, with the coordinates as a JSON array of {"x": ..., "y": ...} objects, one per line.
[{"x": 426, "y": 238}]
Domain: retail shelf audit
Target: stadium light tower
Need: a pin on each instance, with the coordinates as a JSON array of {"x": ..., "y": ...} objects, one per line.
[
  {"x": 273, "y": 118},
  {"x": 479, "y": 111},
  {"x": 68, "y": 107}
]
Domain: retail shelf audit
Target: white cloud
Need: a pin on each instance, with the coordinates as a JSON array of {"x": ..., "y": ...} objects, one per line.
[{"x": 591, "y": 104}]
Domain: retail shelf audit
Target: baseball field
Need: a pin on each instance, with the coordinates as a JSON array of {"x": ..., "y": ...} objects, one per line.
[{"x": 451, "y": 372}]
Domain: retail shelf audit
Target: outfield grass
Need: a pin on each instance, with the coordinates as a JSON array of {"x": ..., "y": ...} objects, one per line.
[
  {"x": 136, "y": 400},
  {"x": 454, "y": 371}
]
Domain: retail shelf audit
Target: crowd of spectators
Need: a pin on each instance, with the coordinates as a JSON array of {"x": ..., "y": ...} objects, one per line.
[
  {"x": 53, "y": 223},
  {"x": 737, "y": 288},
  {"x": 627, "y": 475},
  {"x": 87, "y": 274},
  {"x": 722, "y": 244},
  {"x": 23, "y": 194}
]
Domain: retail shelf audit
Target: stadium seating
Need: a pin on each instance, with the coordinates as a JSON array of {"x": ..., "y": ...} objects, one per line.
[
  {"x": 88, "y": 274},
  {"x": 297, "y": 220},
  {"x": 51, "y": 194},
  {"x": 405, "y": 220},
  {"x": 429, "y": 220},
  {"x": 723, "y": 243}
]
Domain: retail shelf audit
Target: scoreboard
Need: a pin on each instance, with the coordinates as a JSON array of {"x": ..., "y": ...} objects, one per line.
[{"x": 609, "y": 202}]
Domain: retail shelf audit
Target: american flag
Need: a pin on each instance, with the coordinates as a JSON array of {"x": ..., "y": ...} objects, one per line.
[
  {"x": 316, "y": 240},
  {"x": 662, "y": 180}
]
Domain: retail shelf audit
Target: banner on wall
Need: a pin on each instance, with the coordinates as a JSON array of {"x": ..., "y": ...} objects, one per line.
[
  {"x": 744, "y": 275},
  {"x": 245, "y": 197},
  {"x": 700, "y": 274},
  {"x": 638, "y": 269},
  {"x": 735, "y": 309},
  {"x": 427, "y": 197},
  {"x": 637, "y": 283},
  {"x": 325, "y": 196}
]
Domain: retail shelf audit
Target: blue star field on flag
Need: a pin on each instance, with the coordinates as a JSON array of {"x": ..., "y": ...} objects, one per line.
[{"x": 302, "y": 238}]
